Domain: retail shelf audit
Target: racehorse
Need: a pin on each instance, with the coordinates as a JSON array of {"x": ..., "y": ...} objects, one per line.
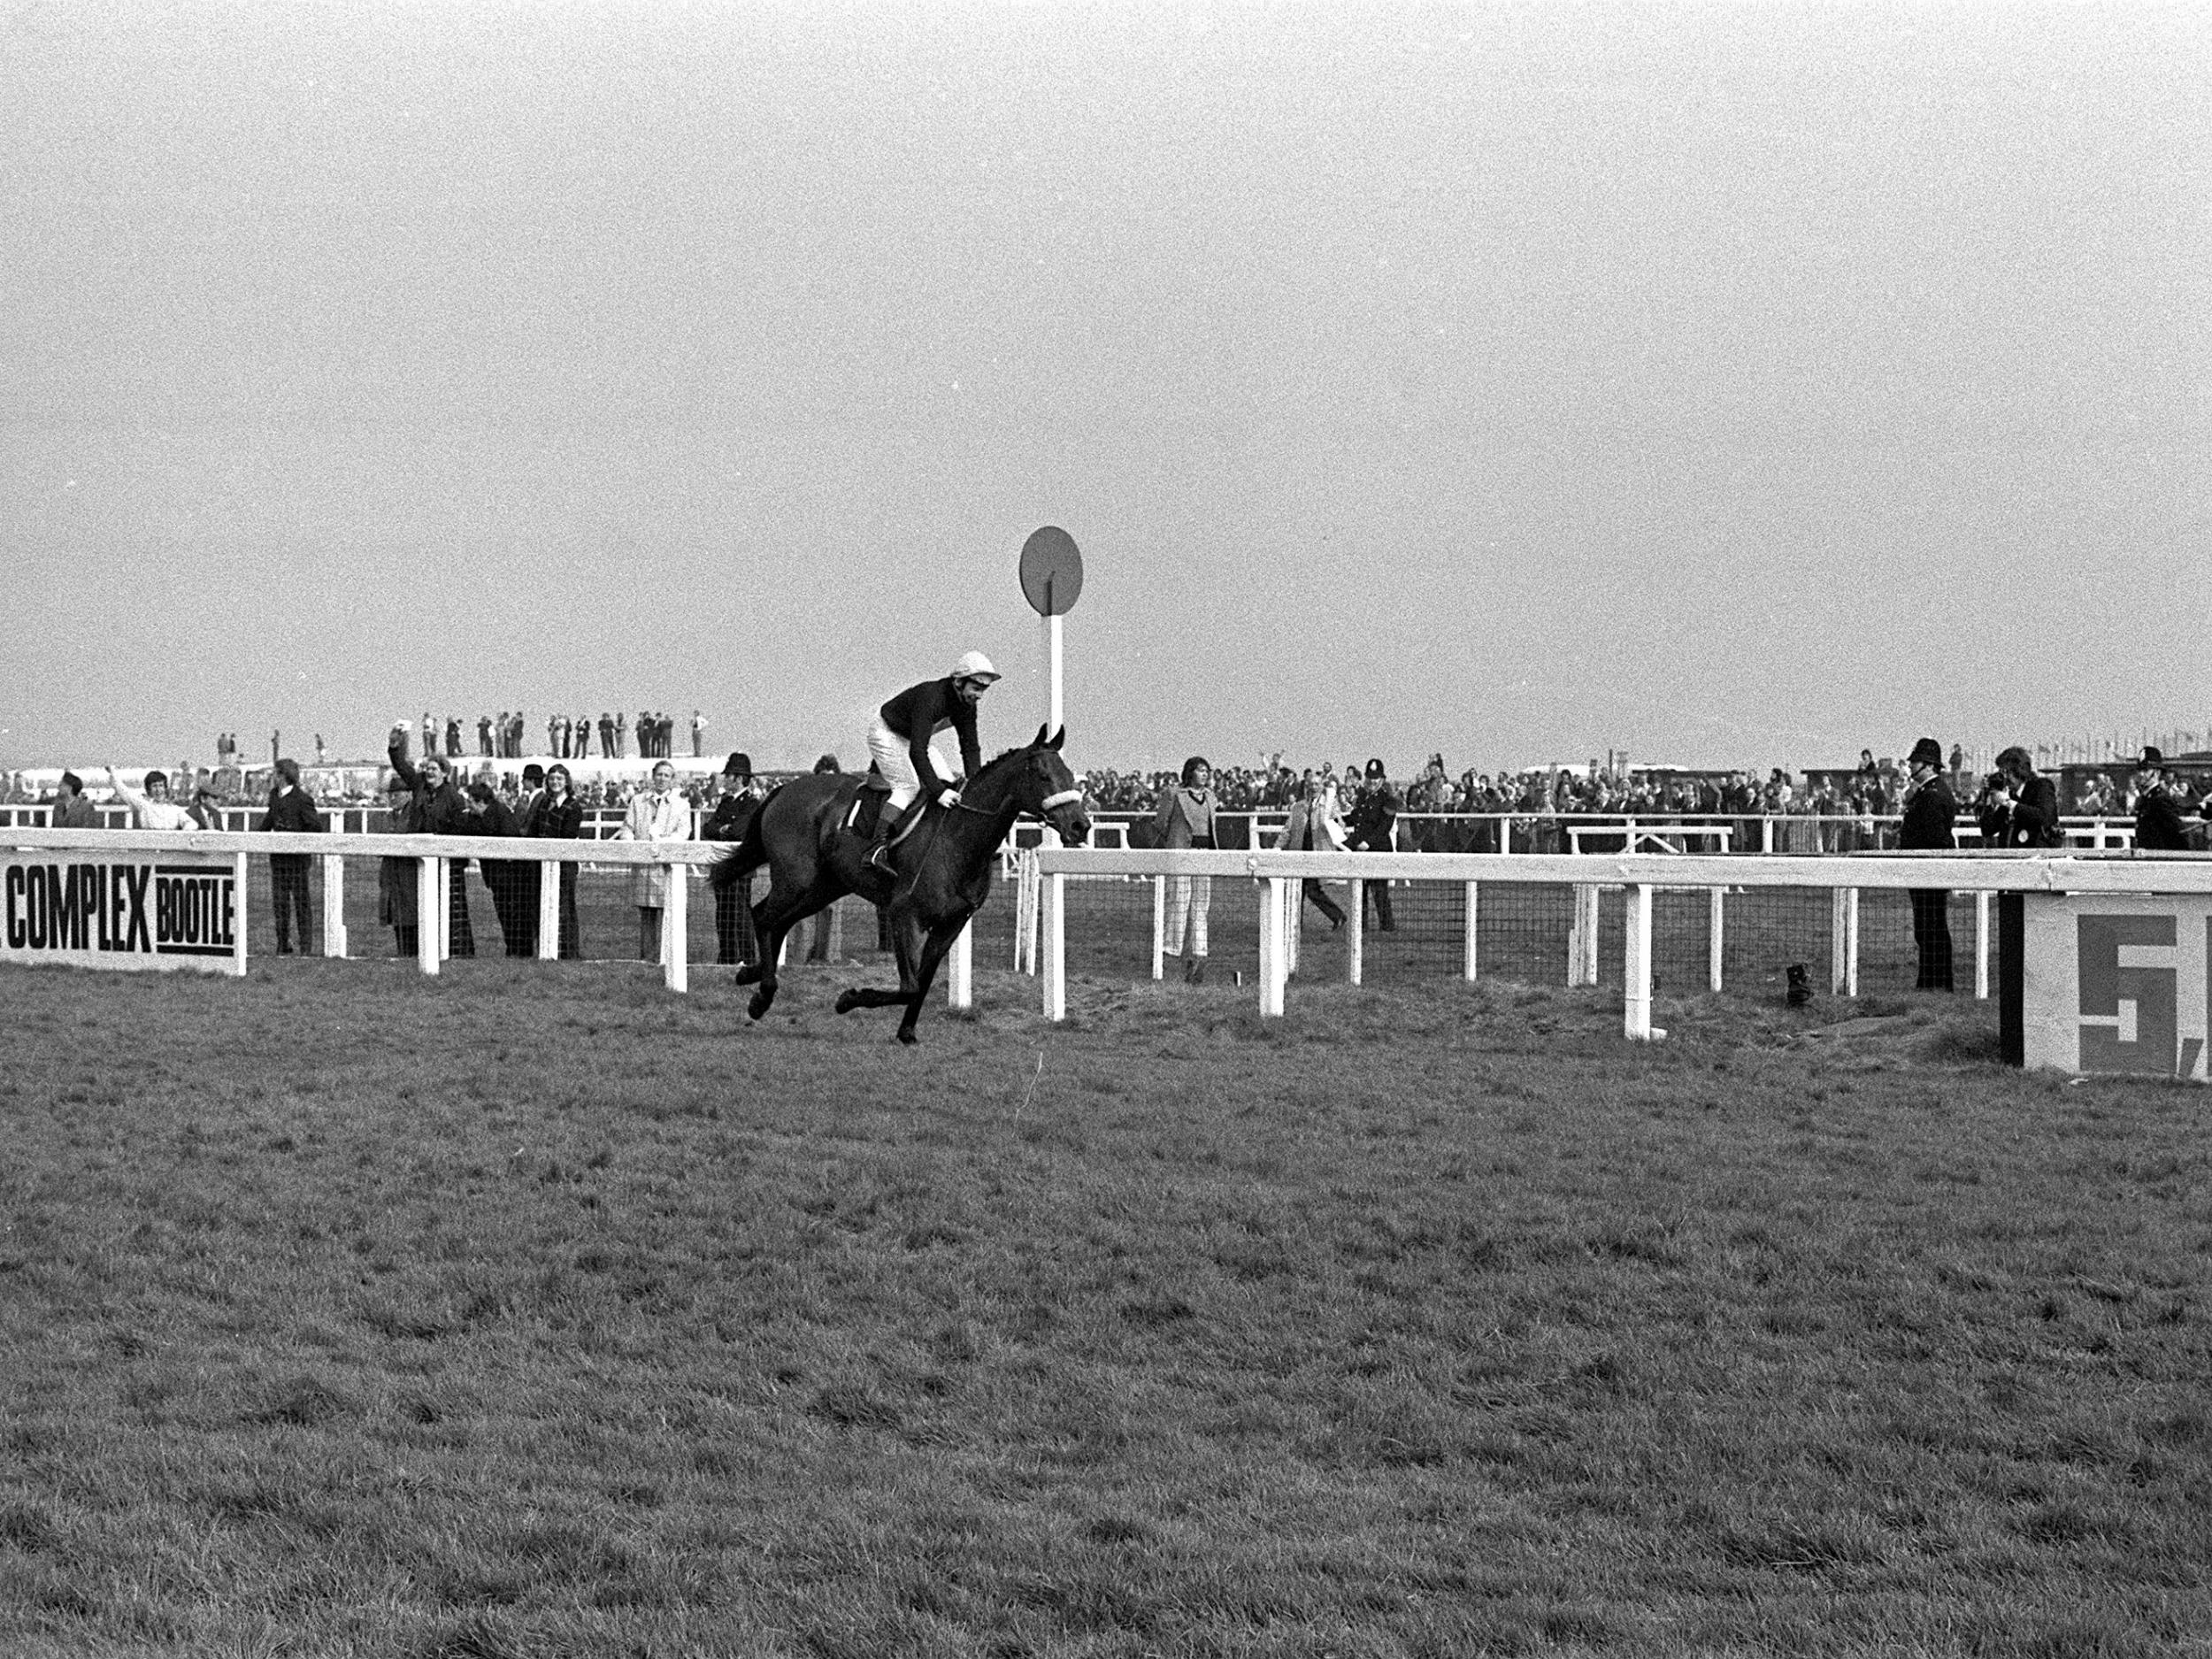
[{"x": 943, "y": 864}]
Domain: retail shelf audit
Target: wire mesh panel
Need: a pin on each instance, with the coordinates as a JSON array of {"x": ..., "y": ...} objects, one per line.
[{"x": 1409, "y": 931}]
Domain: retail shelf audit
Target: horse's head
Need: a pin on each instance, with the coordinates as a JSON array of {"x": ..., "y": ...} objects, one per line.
[{"x": 1048, "y": 789}]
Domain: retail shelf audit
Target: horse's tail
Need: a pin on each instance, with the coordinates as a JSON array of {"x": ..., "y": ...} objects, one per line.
[{"x": 746, "y": 854}]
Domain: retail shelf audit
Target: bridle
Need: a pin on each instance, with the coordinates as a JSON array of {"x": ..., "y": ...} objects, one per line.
[{"x": 1059, "y": 798}]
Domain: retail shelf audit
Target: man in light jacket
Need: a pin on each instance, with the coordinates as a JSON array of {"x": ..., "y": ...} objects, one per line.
[{"x": 656, "y": 813}]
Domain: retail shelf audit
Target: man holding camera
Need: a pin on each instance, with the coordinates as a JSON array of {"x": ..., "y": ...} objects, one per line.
[{"x": 2019, "y": 806}]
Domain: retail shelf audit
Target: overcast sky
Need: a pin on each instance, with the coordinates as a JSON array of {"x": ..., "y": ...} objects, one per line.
[{"x": 1729, "y": 385}]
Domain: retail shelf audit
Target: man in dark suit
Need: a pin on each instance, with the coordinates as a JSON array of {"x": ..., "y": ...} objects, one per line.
[
  {"x": 1374, "y": 820},
  {"x": 291, "y": 811},
  {"x": 2157, "y": 813},
  {"x": 1930, "y": 808}
]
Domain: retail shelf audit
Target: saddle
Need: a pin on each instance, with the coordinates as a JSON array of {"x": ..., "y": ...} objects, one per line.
[{"x": 867, "y": 805}]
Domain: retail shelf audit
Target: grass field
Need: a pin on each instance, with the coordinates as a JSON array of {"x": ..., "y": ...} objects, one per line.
[{"x": 534, "y": 1312}]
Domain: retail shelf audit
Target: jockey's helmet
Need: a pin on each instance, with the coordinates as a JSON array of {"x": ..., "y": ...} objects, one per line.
[{"x": 974, "y": 665}]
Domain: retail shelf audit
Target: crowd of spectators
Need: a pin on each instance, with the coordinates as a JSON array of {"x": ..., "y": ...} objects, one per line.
[
  {"x": 508, "y": 735},
  {"x": 1824, "y": 812}
]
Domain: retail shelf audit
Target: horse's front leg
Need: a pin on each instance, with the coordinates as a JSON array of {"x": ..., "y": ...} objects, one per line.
[
  {"x": 932, "y": 953},
  {"x": 906, "y": 943}
]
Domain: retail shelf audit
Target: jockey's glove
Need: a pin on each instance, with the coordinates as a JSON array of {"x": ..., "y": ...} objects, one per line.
[{"x": 949, "y": 799}]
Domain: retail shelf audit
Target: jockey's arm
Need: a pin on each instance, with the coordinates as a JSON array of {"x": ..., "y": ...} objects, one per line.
[{"x": 964, "y": 728}]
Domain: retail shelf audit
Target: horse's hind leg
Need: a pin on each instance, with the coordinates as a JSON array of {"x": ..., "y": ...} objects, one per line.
[
  {"x": 773, "y": 917},
  {"x": 749, "y": 973}
]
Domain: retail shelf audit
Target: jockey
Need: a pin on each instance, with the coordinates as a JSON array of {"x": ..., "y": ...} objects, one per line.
[{"x": 900, "y": 743}]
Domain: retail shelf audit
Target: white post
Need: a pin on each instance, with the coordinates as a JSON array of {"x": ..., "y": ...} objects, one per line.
[
  {"x": 1582, "y": 943},
  {"x": 429, "y": 913},
  {"x": 1291, "y": 900},
  {"x": 1835, "y": 942},
  {"x": 549, "y": 909},
  {"x": 444, "y": 884},
  {"x": 1159, "y": 926},
  {"x": 1053, "y": 715},
  {"x": 333, "y": 905},
  {"x": 1851, "y": 939},
  {"x": 1981, "y": 946},
  {"x": 1716, "y": 939},
  {"x": 1574, "y": 943},
  {"x": 1766, "y": 834},
  {"x": 960, "y": 970},
  {"x": 1467, "y": 954},
  {"x": 1356, "y": 930},
  {"x": 836, "y": 944},
  {"x": 675, "y": 924},
  {"x": 1274, "y": 967},
  {"x": 1636, "y": 965},
  {"x": 1052, "y": 902},
  {"x": 1026, "y": 907},
  {"x": 238, "y": 915}
]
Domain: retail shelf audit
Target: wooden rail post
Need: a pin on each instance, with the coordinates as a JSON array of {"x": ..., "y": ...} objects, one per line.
[
  {"x": 1636, "y": 965},
  {"x": 1159, "y": 926},
  {"x": 429, "y": 913},
  {"x": 1467, "y": 952},
  {"x": 1981, "y": 946},
  {"x": 1716, "y": 941},
  {"x": 675, "y": 925},
  {"x": 1052, "y": 928},
  {"x": 334, "y": 906},
  {"x": 238, "y": 915},
  {"x": 1355, "y": 931},
  {"x": 550, "y": 911},
  {"x": 960, "y": 970},
  {"x": 1836, "y": 944},
  {"x": 1274, "y": 965}
]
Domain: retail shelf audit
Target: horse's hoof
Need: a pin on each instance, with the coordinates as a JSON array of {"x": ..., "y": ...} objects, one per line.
[
  {"x": 908, "y": 1037},
  {"x": 759, "y": 1006},
  {"x": 847, "y": 1001},
  {"x": 747, "y": 973}
]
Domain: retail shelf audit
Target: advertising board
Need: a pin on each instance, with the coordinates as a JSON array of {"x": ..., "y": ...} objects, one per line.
[
  {"x": 125, "y": 910},
  {"x": 2114, "y": 983}
]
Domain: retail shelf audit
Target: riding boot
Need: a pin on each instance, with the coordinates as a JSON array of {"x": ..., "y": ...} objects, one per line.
[{"x": 878, "y": 855}]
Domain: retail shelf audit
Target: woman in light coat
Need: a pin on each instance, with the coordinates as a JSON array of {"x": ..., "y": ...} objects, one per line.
[
  {"x": 1185, "y": 819},
  {"x": 656, "y": 813}
]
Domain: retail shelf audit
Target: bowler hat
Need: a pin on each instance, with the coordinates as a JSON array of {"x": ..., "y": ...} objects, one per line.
[{"x": 1926, "y": 752}]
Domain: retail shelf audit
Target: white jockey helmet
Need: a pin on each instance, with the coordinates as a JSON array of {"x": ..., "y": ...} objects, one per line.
[{"x": 974, "y": 665}]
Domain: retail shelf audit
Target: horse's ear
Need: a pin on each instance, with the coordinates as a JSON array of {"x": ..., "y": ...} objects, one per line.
[
  {"x": 1058, "y": 738},
  {"x": 1043, "y": 732}
]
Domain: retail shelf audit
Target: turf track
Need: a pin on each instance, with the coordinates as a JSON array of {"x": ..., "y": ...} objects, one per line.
[{"x": 532, "y": 1310}]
